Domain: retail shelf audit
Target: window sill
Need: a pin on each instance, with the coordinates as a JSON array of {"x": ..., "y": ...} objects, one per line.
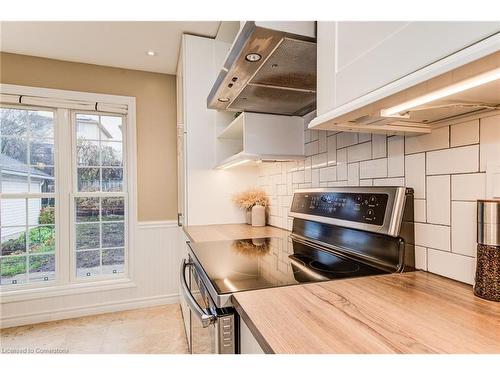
[{"x": 64, "y": 290}]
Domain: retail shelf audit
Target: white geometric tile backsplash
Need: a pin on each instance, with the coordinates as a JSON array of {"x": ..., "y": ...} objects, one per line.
[{"x": 446, "y": 168}]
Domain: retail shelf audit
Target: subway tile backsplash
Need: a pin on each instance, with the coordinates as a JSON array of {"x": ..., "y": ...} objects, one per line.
[
  {"x": 438, "y": 199},
  {"x": 453, "y": 160},
  {"x": 468, "y": 187},
  {"x": 446, "y": 168}
]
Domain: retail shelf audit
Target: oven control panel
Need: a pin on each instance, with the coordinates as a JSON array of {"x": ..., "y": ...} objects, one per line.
[{"x": 369, "y": 208}]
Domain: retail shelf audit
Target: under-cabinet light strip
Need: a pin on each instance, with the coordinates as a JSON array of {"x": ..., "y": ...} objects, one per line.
[
  {"x": 234, "y": 164},
  {"x": 455, "y": 88}
]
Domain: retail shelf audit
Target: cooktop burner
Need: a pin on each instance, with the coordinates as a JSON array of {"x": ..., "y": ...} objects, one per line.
[
  {"x": 333, "y": 265},
  {"x": 342, "y": 268},
  {"x": 249, "y": 264}
]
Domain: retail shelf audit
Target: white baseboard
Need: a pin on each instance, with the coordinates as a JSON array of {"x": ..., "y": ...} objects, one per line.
[{"x": 75, "y": 312}]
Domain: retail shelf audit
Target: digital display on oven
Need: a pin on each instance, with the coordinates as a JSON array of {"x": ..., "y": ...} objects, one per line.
[{"x": 366, "y": 208}]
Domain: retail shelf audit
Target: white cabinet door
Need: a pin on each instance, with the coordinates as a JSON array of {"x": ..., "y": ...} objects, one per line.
[
  {"x": 179, "y": 86},
  {"x": 181, "y": 140},
  {"x": 207, "y": 192},
  {"x": 325, "y": 75},
  {"x": 248, "y": 343},
  {"x": 364, "y": 56}
]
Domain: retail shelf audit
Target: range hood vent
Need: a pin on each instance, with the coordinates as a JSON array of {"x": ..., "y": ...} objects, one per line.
[{"x": 267, "y": 71}]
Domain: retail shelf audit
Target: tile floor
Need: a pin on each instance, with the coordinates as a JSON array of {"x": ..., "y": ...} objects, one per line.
[{"x": 155, "y": 330}]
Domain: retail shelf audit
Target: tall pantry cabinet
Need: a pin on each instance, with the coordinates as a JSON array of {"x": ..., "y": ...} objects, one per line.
[{"x": 204, "y": 193}]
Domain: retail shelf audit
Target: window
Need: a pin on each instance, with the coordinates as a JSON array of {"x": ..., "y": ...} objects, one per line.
[
  {"x": 99, "y": 203},
  {"x": 64, "y": 182},
  {"x": 27, "y": 205}
]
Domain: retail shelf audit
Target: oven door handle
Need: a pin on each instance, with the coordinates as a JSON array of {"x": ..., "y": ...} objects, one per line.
[{"x": 202, "y": 314}]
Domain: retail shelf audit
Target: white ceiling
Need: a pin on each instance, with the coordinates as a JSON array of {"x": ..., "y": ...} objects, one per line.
[{"x": 118, "y": 44}]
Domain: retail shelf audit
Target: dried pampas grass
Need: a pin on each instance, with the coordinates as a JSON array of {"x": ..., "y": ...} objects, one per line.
[
  {"x": 252, "y": 248},
  {"x": 249, "y": 198}
]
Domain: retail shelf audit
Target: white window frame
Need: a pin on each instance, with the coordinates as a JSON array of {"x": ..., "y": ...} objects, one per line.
[
  {"x": 66, "y": 282},
  {"x": 29, "y": 195},
  {"x": 75, "y": 194}
]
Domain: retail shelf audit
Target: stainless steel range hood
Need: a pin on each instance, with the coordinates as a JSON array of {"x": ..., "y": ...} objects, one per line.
[{"x": 271, "y": 68}]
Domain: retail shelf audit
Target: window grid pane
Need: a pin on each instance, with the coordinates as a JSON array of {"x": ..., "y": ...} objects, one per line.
[
  {"x": 27, "y": 224},
  {"x": 27, "y": 149},
  {"x": 99, "y": 233},
  {"x": 99, "y": 220},
  {"x": 20, "y": 243},
  {"x": 99, "y": 154}
]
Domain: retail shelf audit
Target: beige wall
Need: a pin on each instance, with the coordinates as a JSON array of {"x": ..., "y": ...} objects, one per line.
[{"x": 156, "y": 118}]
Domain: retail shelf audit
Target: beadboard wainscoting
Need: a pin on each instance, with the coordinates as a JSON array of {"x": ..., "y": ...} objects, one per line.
[
  {"x": 154, "y": 281},
  {"x": 446, "y": 168}
]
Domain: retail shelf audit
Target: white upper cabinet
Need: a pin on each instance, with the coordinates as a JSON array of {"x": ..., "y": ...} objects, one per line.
[
  {"x": 356, "y": 58},
  {"x": 197, "y": 139}
]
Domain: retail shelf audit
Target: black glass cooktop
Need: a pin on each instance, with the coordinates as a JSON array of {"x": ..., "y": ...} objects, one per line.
[{"x": 248, "y": 264}]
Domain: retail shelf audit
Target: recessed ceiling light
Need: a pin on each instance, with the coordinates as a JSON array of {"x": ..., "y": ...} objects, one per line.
[
  {"x": 253, "y": 57},
  {"x": 223, "y": 100},
  {"x": 151, "y": 53}
]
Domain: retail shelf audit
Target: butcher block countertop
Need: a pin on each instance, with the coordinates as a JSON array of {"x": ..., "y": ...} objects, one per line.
[
  {"x": 222, "y": 232},
  {"x": 414, "y": 312}
]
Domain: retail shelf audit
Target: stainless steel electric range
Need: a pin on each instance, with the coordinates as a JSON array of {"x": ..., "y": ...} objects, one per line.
[{"x": 337, "y": 233}]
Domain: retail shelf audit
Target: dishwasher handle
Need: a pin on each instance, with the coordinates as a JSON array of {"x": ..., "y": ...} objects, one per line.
[{"x": 202, "y": 314}]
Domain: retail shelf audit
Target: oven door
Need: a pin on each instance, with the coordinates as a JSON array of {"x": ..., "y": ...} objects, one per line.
[{"x": 212, "y": 330}]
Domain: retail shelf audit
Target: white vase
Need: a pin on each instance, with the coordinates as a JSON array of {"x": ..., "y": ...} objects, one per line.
[
  {"x": 258, "y": 216},
  {"x": 258, "y": 241},
  {"x": 249, "y": 216}
]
